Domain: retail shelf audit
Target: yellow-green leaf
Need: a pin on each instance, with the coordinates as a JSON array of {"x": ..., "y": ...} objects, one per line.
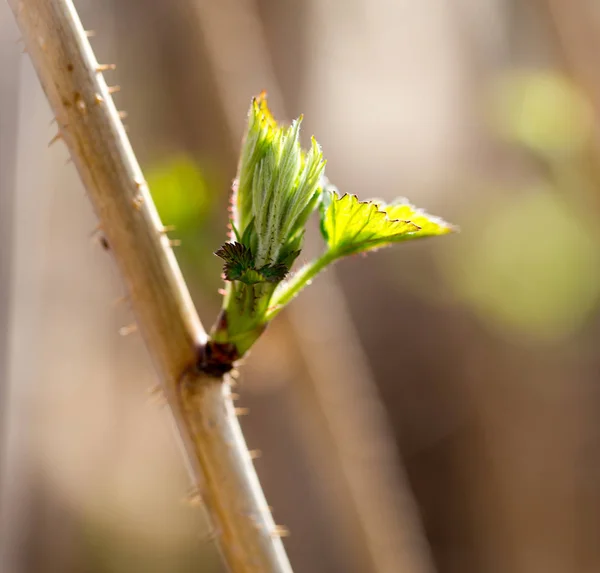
[
  {"x": 430, "y": 226},
  {"x": 352, "y": 226}
]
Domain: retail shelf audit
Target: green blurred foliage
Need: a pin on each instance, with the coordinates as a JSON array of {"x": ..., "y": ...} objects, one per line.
[
  {"x": 186, "y": 198},
  {"x": 542, "y": 110},
  {"x": 530, "y": 266},
  {"x": 180, "y": 192}
]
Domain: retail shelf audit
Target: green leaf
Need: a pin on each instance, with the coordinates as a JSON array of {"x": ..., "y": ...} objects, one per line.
[
  {"x": 351, "y": 226},
  {"x": 239, "y": 266},
  {"x": 277, "y": 188},
  {"x": 238, "y": 260},
  {"x": 274, "y": 273},
  {"x": 430, "y": 226}
]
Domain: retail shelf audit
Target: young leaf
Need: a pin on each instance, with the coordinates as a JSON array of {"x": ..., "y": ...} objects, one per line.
[
  {"x": 278, "y": 186},
  {"x": 274, "y": 273},
  {"x": 239, "y": 266},
  {"x": 238, "y": 259},
  {"x": 351, "y": 226},
  {"x": 429, "y": 225}
]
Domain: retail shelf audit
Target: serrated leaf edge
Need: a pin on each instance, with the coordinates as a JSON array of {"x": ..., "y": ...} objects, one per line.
[
  {"x": 237, "y": 254},
  {"x": 377, "y": 206}
]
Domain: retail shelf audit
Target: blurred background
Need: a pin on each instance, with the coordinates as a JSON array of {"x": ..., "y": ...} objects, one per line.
[{"x": 430, "y": 407}]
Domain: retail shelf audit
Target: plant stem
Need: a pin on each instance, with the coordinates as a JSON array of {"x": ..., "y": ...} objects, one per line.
[
  {"x": 245, "y": 528},
  {"x": 302, "y": 278},
  {"x": 201, "y": 406}
]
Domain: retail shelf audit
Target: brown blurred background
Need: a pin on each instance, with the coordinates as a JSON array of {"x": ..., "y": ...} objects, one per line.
[{"x": 431, "y": 407}]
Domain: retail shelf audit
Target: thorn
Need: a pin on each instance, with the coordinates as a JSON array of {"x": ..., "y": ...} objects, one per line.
[
  {"x": 98, "y": 99},
  {"x": 234, "y": 374},
  {"x": 90, "y": 33},
  {"x": 139, "y": 183},
  {"x": 114, "y": 89},
  {"x": 98, "y": 235},
  {"x": 52, "y": 121},
  {"x": 80, "y": 104},
  {"x": 167, "y": 229},
  {"x": 156, "y": 395},
  {"x": 280, "y": 531},
  {"x": 55, "y": 139},
  {"x": 123, "y": 114},
  {"x": 234, "y": 396},
  {"x": 156, "y": 392},
  {"x": 210, "y": 537},
  {"x": 156, "y": 389},
  {"x": 222, "y": 292},
  {"x": 127, "y": 330},
  {"x": 175, "y": 243},
  {"x": 105, "y": 67},
  {"x": 255, "y": 454},
  {"x": 138, "y": 201},
  {"x": 104, "y": 242},
  {"x": 194, "y": 497},
  {"x": 242, "y": 411}
]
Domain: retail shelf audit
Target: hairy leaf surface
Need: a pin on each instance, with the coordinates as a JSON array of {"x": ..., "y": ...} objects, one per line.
[{"x": 351, "y": 226}]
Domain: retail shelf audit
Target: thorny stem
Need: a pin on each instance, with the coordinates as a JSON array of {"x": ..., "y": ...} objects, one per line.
[{"x": 201, "y": 406}]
